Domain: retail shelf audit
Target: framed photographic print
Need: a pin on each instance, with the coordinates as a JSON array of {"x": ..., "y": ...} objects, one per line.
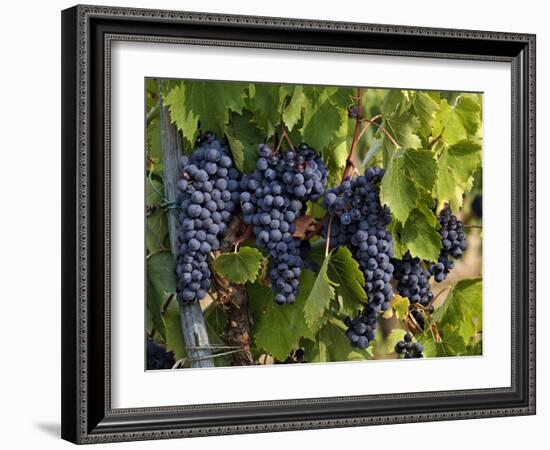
[{"x": 281, "y": 224}]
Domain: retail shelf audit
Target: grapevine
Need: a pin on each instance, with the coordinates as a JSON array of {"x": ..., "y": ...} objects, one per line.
[{"x": 328, "y": 250}]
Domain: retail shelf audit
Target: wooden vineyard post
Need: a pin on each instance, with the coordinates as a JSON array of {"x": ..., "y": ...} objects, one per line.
[{"x": 191, "y": 317}]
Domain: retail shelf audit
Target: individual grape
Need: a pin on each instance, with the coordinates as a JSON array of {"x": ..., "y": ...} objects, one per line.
[
  {"x": 413, "y": 280},
  {"x": 418, "y": 318},
  {"x": 359, "y": 222},
  {"x": 158, "y": 357},
  {"x": 272, "y": 197},
  {"x": 354, "y": 111},
  {"x": 409, "y": 349},
  {"x": 207, "y": 189},
  {"x": 453, "y": 244}
]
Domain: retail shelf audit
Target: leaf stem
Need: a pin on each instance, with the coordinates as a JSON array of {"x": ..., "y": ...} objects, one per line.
[
  {"x": 381, "y": 128},
  {"x": 439, "y": 293},
  {"x": 435, "y": 140},
  {"x": 328, "y": 236}
]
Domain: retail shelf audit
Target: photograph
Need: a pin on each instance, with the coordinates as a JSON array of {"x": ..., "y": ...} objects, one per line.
[
  {"x": 280, "y": 222},
  {"x": 298, "y": 224}
]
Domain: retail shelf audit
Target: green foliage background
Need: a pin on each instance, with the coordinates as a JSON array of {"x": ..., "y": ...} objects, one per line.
[{"x": 437, "y": 160}]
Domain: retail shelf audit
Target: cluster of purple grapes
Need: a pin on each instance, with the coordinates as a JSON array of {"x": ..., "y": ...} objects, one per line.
[
  {"x": 359, "y": 222},
  {"x": 272, "y": 198},
  {"x": 413, "y": 280},
  {"x": 408, "y": 348},
  {"x": 209, "y": 194},
  {"x": 453, "y": 244},
  {"x": 158, "y": 357}
]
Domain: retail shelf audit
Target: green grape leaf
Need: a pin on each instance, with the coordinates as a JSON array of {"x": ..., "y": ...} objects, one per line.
[
  {"x": 184, "y": 118},
  {"x": 397, "y": 190},
  {"x": 376, "y": 144},
  {"x": 266, "y": 106},
  {"x": 244, "y": 137},
  {"x": 211, "y": 102},
  {"x": 420, "y": 236},
  {"x": 321, "y": 118},
  {"x": 403, "y": 129},
  {"x": 315, "y": 210},
  {"x": 399, "y": 248},
  {"x": 420, "y": 166},
  {"x": 241, "y": 266},
  {"x": 216, "y": 321},
  {"x": 462, "y": 309},
  {"x": 154, "y": 147},
  {"x": 161, "y": 279},
  {"x": 349, "y": 280},
  {"x": 459, "y": 121},
  {"x": 396, "y": 102},
  {"x": 331, "y": 344},
  {"x": 278, "y": 329},
  {"x": 430, "y": 346},
  {"x": 400, "y": 305},
  {"x": 175, "y": 342},
  {"x": 318, "y": 300},
  {"x": 293, "y": 112},
  {"x": 156, "y": 223},
  {"x": 336, "y": 154},
  {"x": 156, "y": 231},
  {"x": 450, "y": 345},
  {"x": 425, "y": 109},
  {"x": 456, "y": 167}
]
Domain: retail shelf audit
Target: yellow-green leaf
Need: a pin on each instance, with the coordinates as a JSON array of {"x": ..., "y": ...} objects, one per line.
[
  {"x": 456, "y": 167},
  {"x": 241, "y": 266}
]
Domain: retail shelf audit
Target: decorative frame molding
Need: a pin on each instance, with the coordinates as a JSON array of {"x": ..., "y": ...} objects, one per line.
[{"x": 87, "y": 34}]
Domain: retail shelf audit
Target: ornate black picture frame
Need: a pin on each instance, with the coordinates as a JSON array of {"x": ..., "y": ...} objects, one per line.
[{"x": 87, "y": 35}]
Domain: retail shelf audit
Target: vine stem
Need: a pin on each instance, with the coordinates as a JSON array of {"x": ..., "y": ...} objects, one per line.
[
  {"x": 287, "y": 137},
  {"x": 284, "y": 135},
  {"x": 350, "y": 165},
  {"x": 472, "y": 226},
  {"x": 244, "y": 236}
]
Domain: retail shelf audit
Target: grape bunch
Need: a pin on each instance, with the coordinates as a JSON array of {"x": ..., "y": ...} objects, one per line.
[
  {"x": 272, "y": 198},
  {"x": 360, "y": 222},
  {"x": 453, "y": 244},
  {"x": 158, "y": 357},
  {"x": 413, "y": 280},
  {"x": 408, "y": 348},
  {"x": 361, "y": 329},
  {"x": 209, "y": 192}
]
